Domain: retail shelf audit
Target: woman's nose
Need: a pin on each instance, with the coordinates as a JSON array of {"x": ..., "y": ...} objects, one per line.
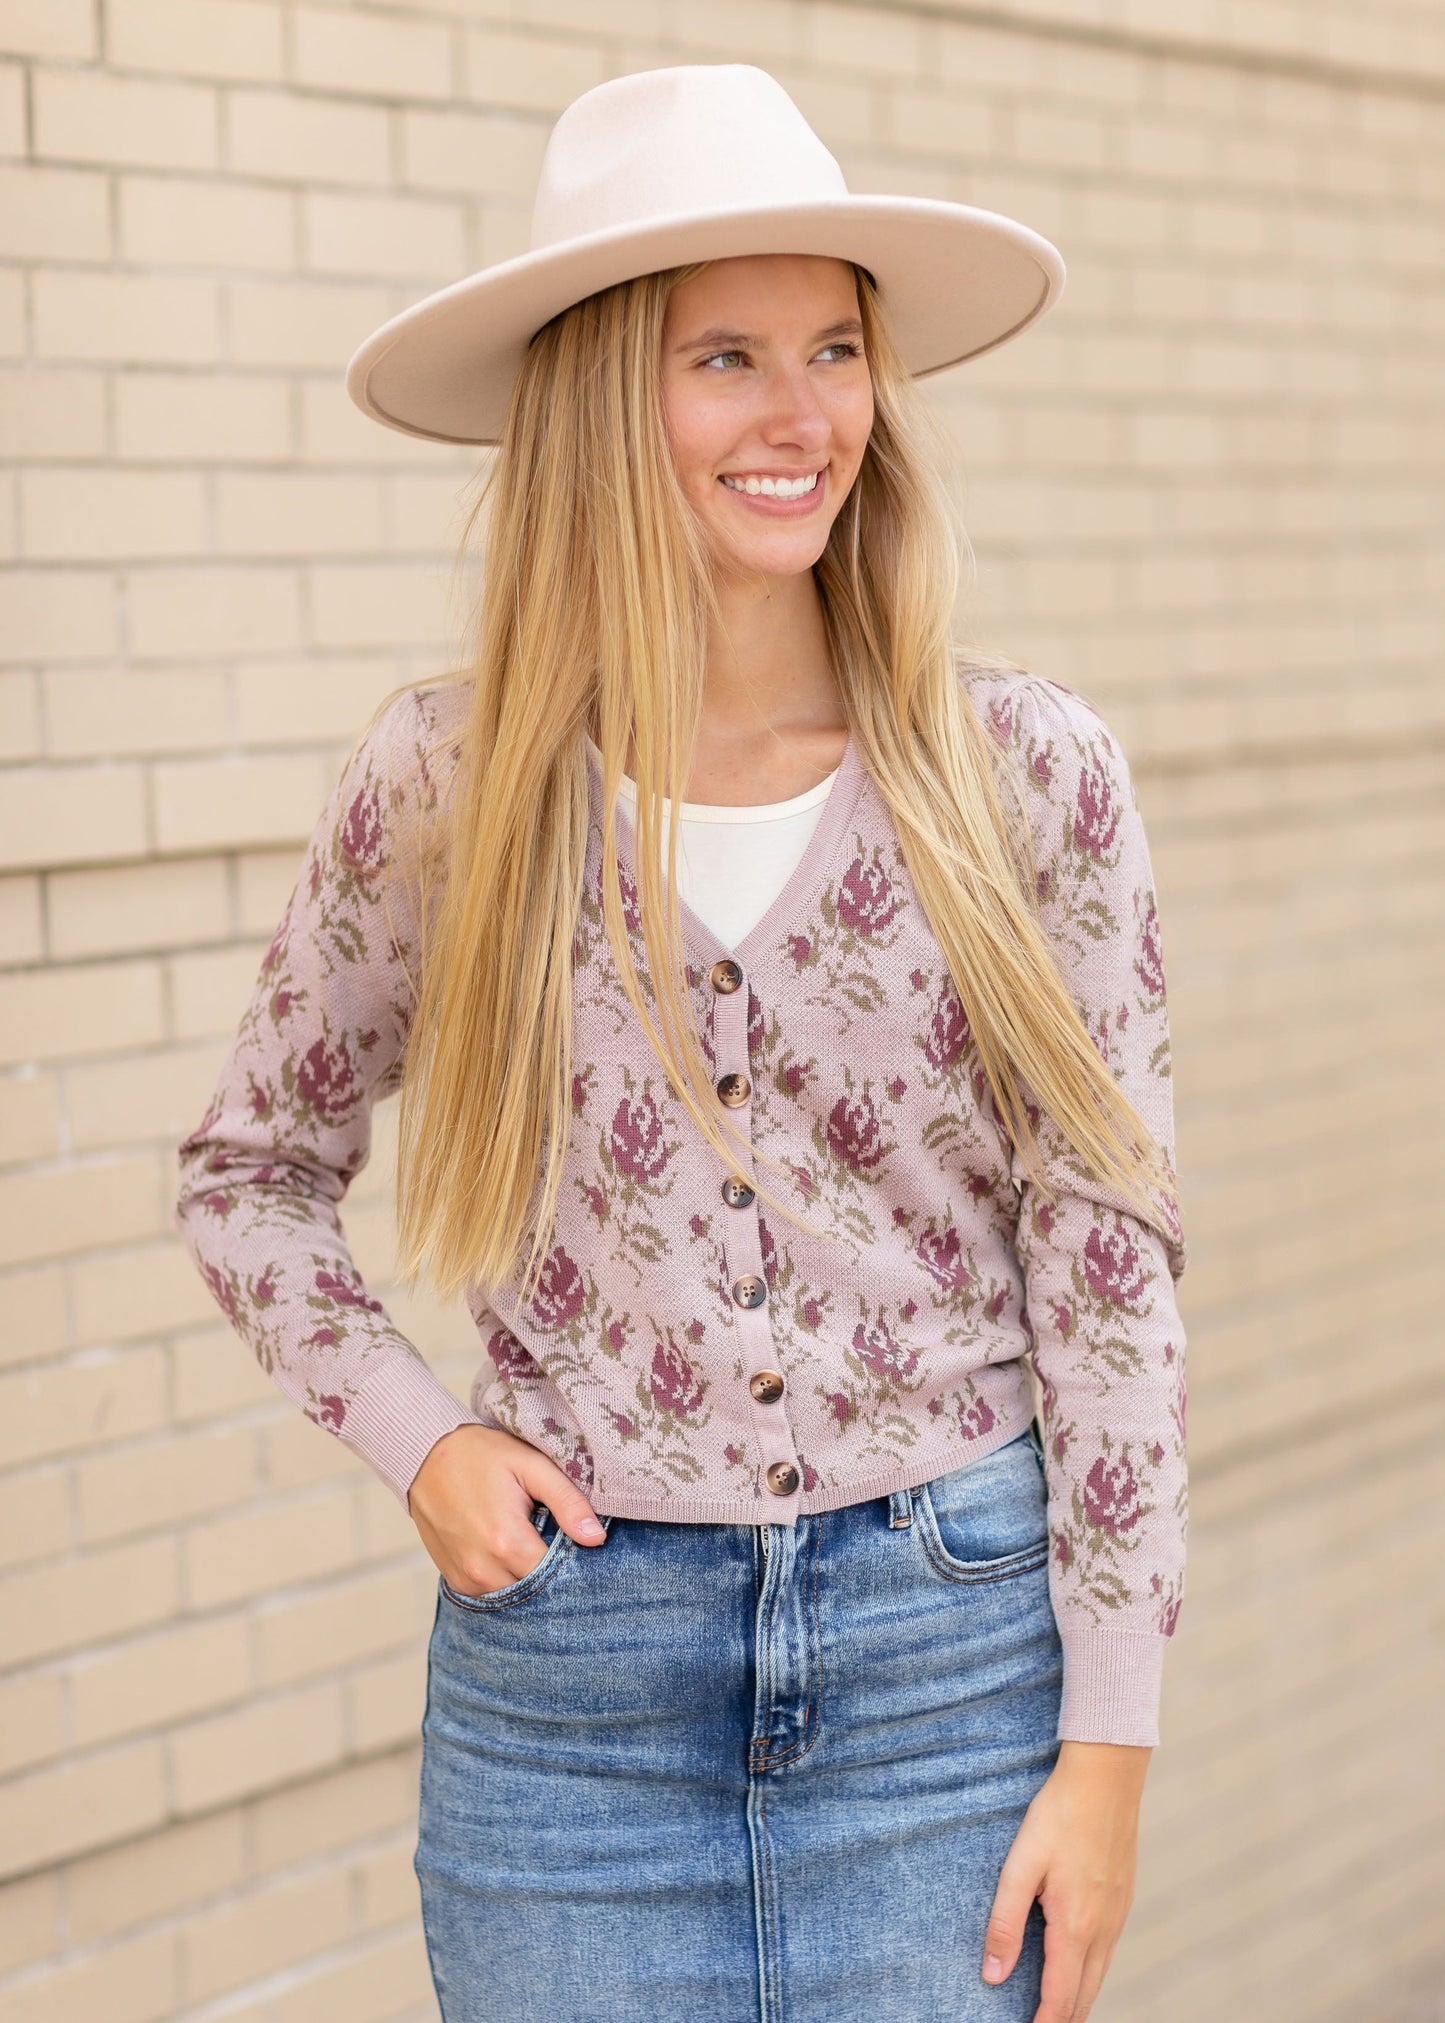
[{"x": 794, "y": 411}]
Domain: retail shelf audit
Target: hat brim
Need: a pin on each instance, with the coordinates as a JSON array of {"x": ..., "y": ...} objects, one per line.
[{"x": 956, "y": 281}]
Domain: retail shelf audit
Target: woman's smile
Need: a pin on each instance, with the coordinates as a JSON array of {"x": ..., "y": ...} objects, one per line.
[{"x": 758, "y": 495}]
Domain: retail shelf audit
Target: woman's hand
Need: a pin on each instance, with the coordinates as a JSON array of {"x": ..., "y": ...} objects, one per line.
[
  {"x": 472, "y": 1501},
  {"x": 1076, "y": 1850}
]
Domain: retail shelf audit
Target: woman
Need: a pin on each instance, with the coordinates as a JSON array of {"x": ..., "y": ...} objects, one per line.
[{"x": 780, "y": 1667}]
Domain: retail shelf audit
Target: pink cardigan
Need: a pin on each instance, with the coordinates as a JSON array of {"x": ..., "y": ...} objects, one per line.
[{"x": 837, "y": 1042}]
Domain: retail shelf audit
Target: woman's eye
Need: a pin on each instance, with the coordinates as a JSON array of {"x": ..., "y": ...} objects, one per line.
[{"x": 842, "y": 344}]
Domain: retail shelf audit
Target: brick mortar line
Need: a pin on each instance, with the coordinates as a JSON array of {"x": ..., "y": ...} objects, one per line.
[
  {"x": 344, "y": 1855},
  {"x": 173, "y": 1820},
  {"x": 1301, "y": 1904},
  {"x": 1316, "y": 1431},
  {"x": 351, "y": 1951},
  {"x": 354, "y": 1947},
  {"x": 1261, "y": 756},
  {"x": 1415, "y": 1999},
  {"x": 1217, "y": 53},
  {"x": 1220, "y": 54}
]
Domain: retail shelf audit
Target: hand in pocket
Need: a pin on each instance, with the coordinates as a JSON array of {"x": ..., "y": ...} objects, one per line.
[{"x": 472, "y": 1501}]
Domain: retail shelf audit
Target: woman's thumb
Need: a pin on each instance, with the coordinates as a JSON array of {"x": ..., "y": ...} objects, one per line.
[{"x": 546, "y": 1483}]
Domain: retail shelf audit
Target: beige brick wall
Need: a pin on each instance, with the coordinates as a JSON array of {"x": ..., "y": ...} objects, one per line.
[{"x": 1206, "y": 491}]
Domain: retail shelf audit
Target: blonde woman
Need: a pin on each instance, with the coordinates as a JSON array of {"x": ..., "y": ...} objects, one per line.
[{"x": 775, "y": 1001}]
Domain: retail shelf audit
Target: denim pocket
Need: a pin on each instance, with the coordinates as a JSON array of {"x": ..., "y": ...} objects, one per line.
[
  {"x": 559, "y": 1545},
  {"x": 988, "y": 1521}
]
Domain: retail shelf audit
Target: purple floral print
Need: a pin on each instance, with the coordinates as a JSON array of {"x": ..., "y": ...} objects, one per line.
[{"x": 927, "y": 1277}]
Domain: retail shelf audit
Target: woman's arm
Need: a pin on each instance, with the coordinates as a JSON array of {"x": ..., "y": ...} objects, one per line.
[
  {"x": 1108, "y": 1347},
  {"x": 288, "y": 1127},
  {"x": 1108, "y": 1342}
]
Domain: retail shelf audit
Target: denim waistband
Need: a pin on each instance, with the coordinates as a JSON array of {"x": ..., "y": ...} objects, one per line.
[{"x": 901, "y": 1501}]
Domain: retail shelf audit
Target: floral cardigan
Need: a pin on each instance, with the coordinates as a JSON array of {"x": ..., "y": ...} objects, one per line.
[{"x": 901, "y": 1322}]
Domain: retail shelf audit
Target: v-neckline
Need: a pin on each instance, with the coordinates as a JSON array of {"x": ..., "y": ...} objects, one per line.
[{"x": 803, "y": 881}]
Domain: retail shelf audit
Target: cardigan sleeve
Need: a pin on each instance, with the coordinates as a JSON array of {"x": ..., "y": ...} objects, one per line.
[
  {"x": 288, "y": 1127},
  {"x": 1107, "y": 1340}
]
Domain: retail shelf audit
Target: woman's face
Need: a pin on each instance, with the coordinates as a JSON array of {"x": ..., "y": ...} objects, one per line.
[{"x": 763, "y": 376}]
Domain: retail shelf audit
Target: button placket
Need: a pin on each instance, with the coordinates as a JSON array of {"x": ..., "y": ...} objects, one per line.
[{"x": 743, "y": 1255}]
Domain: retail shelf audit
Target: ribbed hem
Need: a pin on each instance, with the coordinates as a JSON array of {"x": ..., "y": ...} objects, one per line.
[
  {"x": 1112, "y": 1685},
  {"x": 400, "y": 1415},
  {"x": 762, "y": 1507}
]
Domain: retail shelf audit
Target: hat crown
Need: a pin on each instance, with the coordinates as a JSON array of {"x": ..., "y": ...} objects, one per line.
[{"x": 683, "y": 139}]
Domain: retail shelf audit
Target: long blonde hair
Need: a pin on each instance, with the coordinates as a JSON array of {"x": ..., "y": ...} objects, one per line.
[{"x": 595, "y": 608}]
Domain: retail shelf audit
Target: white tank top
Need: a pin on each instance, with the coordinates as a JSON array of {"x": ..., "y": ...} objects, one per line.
[{"x": 733, "y": 862}]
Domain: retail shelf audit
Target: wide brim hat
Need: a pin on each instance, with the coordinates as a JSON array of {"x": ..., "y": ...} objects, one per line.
[{"x": 695, "y": 162}]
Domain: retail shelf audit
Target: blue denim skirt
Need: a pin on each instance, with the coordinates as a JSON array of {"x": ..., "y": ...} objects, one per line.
[{"x": 747, "y": 1774}]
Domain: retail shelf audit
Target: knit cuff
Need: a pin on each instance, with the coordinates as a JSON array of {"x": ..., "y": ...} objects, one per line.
[
  {"x": 398, "y": 1418},
  {"x": 1112, "y": 1685}
]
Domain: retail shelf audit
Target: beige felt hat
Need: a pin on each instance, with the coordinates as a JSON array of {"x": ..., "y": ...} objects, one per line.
[{"x": 698, "y": 161}]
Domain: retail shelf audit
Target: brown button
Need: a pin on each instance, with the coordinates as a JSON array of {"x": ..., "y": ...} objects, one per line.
[
  {"x": 738, "y": 1192},
  {"x": 734, "y": 1089},
  {"x": 749, "y": 1291},
  {"x": 726, "y": 976},
  {"x": 766, "y": 1387},
  {"x": 782, "y": 1478}
]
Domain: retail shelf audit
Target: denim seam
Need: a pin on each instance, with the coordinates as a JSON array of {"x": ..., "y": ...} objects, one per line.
[
  {"x": 1036, "y": 1557},
  {"x": 976, "y": 1573},
  {"x": 518, "y": 1591},
  {"x": 765, "y": 1762},
  {"x": 772, "y": 2001}
]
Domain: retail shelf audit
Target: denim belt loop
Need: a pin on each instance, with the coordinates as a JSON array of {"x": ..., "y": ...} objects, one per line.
[{"x": 900, "y": 1509}]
